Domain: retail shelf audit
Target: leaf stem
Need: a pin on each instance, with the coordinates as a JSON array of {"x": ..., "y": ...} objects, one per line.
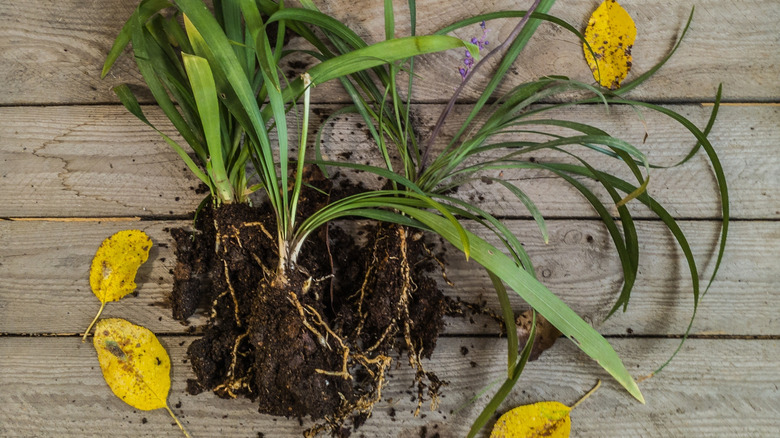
[
  {"x": 587, "y": 394},
  {"x": 178, "y": 423},
  {"x": 451, "y": 103},
  {"x": 102, "y": 306}
]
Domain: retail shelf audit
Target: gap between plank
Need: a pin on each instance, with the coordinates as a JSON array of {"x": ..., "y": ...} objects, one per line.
[
  {"x": 508, "y": 218},
  {"x": 424, "y": 102},
  {"x": 702, "y": 336}
]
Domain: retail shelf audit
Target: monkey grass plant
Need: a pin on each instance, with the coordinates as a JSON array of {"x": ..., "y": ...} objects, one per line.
[
  {"x": 480, "y": 144},
  {"x": 290, "y": 314}
]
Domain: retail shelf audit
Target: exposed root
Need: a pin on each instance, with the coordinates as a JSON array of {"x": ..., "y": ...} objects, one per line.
[
  {"x": 281, "y": 341},
  {"x": 293, "y": 299},
  {"x": 230, "y": 384},
  {"x": 441, "y": 265},
  {"x": 232, "y": 292},
  {"x": 261, "y": 226},
  {"x": 363, "y": 406},
  {"x": 426, "y": 382},
  {"x": 376, "y": 367}
]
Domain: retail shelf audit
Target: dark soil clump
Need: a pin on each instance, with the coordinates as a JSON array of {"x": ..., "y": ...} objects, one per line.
[{"x": 316, "y": 341}]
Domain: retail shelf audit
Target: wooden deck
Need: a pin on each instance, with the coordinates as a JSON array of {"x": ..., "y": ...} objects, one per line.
[{"x": 69, "y": 151}]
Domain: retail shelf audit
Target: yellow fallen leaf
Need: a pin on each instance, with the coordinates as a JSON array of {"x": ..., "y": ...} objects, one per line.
[
  {"x": 543, "y": 419},
  {"x": 135, "y": 365},
  {"x": 116, "y": 262},
  {"x": 611, "y": 33}
]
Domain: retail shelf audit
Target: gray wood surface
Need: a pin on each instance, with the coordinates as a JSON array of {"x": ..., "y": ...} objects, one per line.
[
  {"x": 69, "y": 151},
  {"x": 100, "y": 161},
  {"x": 53, "y": 387},
  {"x": 50, "y": 279},
  {"x": 53, "y": 52}
]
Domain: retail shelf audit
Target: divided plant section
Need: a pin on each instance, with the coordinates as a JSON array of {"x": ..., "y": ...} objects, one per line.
[{"x": 301, "y": 317}]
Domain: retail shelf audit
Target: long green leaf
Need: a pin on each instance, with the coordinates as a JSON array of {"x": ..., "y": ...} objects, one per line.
[
  {"x": 141, "y": 41},
  {"x": 225, "y": 57},
  {"x": 509, "y": 322},
  {"x": 205, "y": 91},
  {"x": 529, "y": 204},
  {"x": 145, "y": 10},
  {"x": 377, "y": 54},
  {"x": 508, "y": 384}
]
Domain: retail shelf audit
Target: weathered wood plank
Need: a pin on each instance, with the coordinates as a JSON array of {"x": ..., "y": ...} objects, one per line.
[
  {"x": 101, "y": 161},
  {"x": 52, "y": 52},
  {"x": 54, "y": 386},
  {"x": 741, "y": 35},
  {"x": 44, "y": 271}
]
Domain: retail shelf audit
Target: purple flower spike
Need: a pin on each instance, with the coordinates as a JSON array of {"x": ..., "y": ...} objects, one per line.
[{"x": 481, "y": 43}]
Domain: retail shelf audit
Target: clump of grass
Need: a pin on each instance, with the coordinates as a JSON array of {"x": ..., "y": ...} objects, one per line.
[
  {"x": 425, "y": 177},
  {"x": 216, "y": 77}
]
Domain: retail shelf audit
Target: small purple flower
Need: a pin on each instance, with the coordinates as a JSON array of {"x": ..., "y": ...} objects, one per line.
[
  {"x": 481, "y": 43},
  {"x": 468, "y": 60}
]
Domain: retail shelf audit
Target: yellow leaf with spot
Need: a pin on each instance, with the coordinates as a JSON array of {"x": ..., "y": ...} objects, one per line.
[
  {"x": 543, "y": 419},
  {"x": 134, "y": 363},
  {"x": 116, "y": 262},
  {"x": 611, "y": 34}
]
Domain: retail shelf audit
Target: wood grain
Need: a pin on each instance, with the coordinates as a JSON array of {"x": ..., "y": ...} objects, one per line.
[
  {"x": 52, "y": 52},
  {"x": 100, "y": 161},
  {"x": 44, "y": 271},
  {"x": 54, "y": 387}
]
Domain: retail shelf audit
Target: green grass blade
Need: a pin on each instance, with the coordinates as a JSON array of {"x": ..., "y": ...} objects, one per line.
[
  {"x": 301, "y": 150},
  {"x": 509, "y": 323},
  {"x": 654, "y": 206},
  {"x": 322, "y": 21},
  {"x": 506, "y": 62},
  {"x": 716, "y": 167},
  {"x": 507, "y": 386},
  {"x": 375, "y": 55},
  {"x": 626, "y": 87},
  {"x": 177, "y": 34},
  {"x": 222, "y": 50},
  {"x": 205, "y": 92},
  {"x": 508, "y": 238},
  {"x": 385, "y": 52},
  {"x": 389, "y": 20},
  {"x": 268, "y": 67},
  {"x": 529, "y": 204},
  {"x": 141, "y": 41},
  {"x": 145, "y": 10}
]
